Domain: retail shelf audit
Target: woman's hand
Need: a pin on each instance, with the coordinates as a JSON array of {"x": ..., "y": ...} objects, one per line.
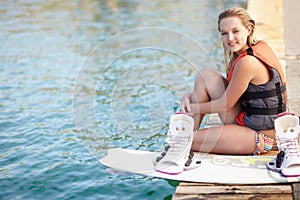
[{"x": 186, "y": 103}]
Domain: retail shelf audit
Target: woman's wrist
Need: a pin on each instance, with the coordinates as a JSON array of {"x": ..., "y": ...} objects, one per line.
[{"x": 195, "y": 108}]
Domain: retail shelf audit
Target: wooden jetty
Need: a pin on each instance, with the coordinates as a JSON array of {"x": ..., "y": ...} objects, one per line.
[{"x": 187, "y": 190}]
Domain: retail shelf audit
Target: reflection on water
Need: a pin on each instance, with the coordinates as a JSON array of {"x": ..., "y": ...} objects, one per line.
[{"x": 51, "y": 55}]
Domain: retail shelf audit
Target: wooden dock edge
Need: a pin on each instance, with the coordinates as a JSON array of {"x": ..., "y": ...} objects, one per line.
[{"x": 187, "y": 190}]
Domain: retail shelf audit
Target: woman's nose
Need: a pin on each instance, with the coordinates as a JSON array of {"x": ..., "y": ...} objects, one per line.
[{"x": 230, "y": 36}]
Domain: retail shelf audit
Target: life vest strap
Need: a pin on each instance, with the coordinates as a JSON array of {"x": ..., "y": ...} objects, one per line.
[
  {"x": 264, "y": 111},
  {"x": 264, "y": 94}
]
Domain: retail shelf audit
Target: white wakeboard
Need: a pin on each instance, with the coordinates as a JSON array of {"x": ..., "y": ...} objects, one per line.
[{"x": 213, "y": 168}]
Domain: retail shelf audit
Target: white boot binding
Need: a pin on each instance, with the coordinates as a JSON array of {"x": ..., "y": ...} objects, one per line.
[
  {"x": 287, "y": 161},
  {"x": 177, "y": 156}
]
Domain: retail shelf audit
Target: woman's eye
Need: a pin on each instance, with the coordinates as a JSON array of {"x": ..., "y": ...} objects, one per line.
[
  {"x": 224, "y": 33},
  {"x": 236, "y": 31}
]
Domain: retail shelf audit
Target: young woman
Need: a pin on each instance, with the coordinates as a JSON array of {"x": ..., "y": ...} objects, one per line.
[{"x": 247, "y": 101}]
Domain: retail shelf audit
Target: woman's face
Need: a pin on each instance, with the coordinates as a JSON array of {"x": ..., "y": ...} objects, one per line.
[{"x": 234, "y": 34}]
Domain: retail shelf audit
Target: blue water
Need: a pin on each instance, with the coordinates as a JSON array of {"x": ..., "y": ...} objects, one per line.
[{"x": 68, "y": 93}]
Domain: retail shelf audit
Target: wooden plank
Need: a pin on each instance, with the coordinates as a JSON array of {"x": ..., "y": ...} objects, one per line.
[
  {"x": 296, "y": 191},
  {"x": 187, "y": 190},
  {"x": 235, "y": 189},
  {"x": 183, "y": 183},
  {"x": 235, "y": 197}
]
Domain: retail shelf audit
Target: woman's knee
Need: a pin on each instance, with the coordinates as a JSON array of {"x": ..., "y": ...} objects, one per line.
[
  {"x": 211, "y": 81},
  {"x": 210, "y": 76},
  {"x": 206, "y": 73}
]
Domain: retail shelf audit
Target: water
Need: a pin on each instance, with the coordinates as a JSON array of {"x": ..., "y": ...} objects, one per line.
[{"x": 68, "y": 93}]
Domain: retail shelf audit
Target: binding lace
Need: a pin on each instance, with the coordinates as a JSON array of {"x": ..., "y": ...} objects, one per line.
[
  {"x": 176, "y": 147},
  {"x": 289, "y": 146}
]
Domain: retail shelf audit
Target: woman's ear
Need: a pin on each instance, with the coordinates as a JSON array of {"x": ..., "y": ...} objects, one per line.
[{"x": 249, "y": 30}]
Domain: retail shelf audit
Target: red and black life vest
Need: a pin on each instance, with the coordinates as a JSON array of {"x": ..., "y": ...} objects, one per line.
[{"x": 262, "y": 103}]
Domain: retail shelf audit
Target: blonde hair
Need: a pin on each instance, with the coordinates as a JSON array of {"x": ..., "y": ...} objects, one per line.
[{"x": 247, "y": 21}]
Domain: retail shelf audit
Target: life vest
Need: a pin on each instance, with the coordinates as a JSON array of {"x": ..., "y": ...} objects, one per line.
[{"x": 260, "y": 104}]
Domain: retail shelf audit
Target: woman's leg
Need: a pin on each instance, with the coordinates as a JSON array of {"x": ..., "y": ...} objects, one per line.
[
  {"x": 210, "y": 85},
  {"x": 228, "y": 138},
  {"x": 225, "y": 139}
]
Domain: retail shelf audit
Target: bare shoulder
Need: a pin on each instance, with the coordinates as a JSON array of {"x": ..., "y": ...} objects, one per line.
[
  {"x": 255, "y": 68},
  {"x": 250, "y": 62}
]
